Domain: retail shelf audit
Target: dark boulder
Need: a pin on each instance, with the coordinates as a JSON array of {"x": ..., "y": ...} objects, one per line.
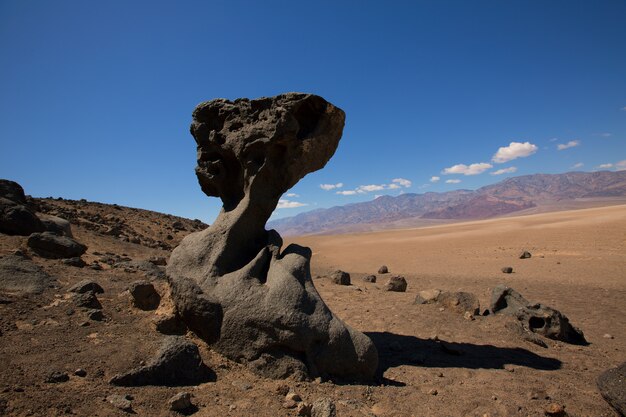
[
  {"x": 177, "y": 363},
  {"x": 369, "y": 278},
  {"x": 383, "y": 269},
  {"x": 49, "y": 245},
  {"x": 12, "y": 191},
  {"x": 56, "y": 225},
  {"x": 525, "y": 255},
  {"x": 507, "y": 270},
  {"x": 17, "y": 219},
  {"x": 144, "y": 296},
  {"x": 86, "y": 285},
  {"x": 612, "y": 386},
  {"x": 396, "y": 283},
  {"x": 340, "y": 277},
  {"x": 537, "y": 318}
]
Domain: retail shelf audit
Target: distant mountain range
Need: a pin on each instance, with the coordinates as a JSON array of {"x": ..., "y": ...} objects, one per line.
[{"x": 508, "y": 196}]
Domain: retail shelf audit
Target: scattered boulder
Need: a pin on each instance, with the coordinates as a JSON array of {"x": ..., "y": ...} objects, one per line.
[
  {"x": 383, "y": 269},
  {"x": 56, "y": 225},
  {"x": 87, "y": 300},
  {"x": 396, "y": 283},
  {"x": 95, "y": 315},
  {"x": 507, "y": 270},
  {"x": 12, "y": 191},
  {"x": 170, "y": 325},
  {"x": 86, "y": 285},
  {"x": 80, "y": 372},
  {"x": 19, "y": 274},
  {"x": 369, "y": 278},
  {"x": 18, "y": 219},
  {"x": 49, "y": 245},
  {"x": 233, "y": 283},
  {"x": 536, "y": 318},
  {"x": 525, "y": 255},
  {"x": 56, "y": 377},
  {"x": 612, "y": 385},
  {"x": 427, "y": 296},
  {"x": 121, "y": 402},
  {"x": 180, "y": 402},
  {"x": 340, "y": 277},
  {"x": 323, "y": 407},
  {"x": 460, "y": 302},
  {"x": 144, "y": 296},
  {"x": 75, "y": 261},
  {"x": 177, "y": 363}
]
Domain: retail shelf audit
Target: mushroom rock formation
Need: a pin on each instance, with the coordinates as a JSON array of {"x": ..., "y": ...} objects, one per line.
[{"x": 231, "y": 283}]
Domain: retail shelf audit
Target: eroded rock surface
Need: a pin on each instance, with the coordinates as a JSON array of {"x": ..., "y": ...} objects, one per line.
[
  {"x": 537, "y": 318},
  {"x": 232, "y": 283}
]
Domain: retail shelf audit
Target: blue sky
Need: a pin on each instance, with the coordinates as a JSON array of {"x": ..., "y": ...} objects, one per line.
[{"x": 96, "y": 97}]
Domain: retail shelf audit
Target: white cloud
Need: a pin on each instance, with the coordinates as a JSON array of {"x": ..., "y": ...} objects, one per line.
[
  {"x": 473, "y": 169},
  {"x": 513, "y": 151},
  {"x": 292, "y": 195},
  {"x": 346, "y": 192},
  {"x": 553, "y": 139},
  {"x": 329, "y": 187},
  {"x": 369, "y": 188},
  {"x": 509, "y": 170},
  {"x": 624, "y": 108},
  {"x": 393, "y": 186},
  {"x": 578, "y": 165},
  {"x": 604, "y": 134},
  {"x": 605, "y": 166},
  {"x": 453, "y": 181},
  {"x": 402, "y": 181},
  {"x": 434, "y": 178},
  {"x": 424, "y": 186},
  {"x": 570, "y": 144},
  {"x": 621, "y": 165},
  {"x": 282, "y": 204}
]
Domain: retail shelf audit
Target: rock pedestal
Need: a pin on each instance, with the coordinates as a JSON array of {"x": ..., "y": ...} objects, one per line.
[{"x": 233, "y": 284}]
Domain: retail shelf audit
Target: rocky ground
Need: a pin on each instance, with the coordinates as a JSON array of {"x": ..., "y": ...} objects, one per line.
[{"x": 59, "y": 349}]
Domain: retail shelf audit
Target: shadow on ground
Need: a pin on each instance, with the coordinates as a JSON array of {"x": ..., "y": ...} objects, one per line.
[{"x": 395, "y": 350}]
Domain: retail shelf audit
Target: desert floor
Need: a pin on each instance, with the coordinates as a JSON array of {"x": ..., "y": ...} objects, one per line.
[{"x": 433, "y": 361}]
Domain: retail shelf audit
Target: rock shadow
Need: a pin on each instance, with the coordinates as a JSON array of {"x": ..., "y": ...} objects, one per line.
[{"x": 395, "y": 350}]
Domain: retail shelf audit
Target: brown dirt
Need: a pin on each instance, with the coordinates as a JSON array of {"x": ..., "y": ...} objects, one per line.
[{"x": 477, "y": 367}]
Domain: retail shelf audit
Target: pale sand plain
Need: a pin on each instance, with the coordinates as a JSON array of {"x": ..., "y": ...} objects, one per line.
[{"x": 578, "y": 266}]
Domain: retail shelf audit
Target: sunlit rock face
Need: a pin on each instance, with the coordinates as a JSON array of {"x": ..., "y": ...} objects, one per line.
[{"x": 232, "y": 283}]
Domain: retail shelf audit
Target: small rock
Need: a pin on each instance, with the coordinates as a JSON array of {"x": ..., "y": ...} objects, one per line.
[
  {"x": 144, "y": 296},
  {"x": 396, "y": 283},
  {"x": 95, "y": 315},
  {"x": 80, "y": 372},
  {"x": 507, "y": 270},
  {"x": 525, "y": 255},
  {"x": 608, "y": 336},
  {"x": 85, "y": 286},
  {"x": 469, "y": 316},
  {"x": 383, "y": 269},
  {"x": 555, "y": 410},
  {"x": 96, "y": 266},
  {"x": 158, "y": 260},
  {"x": 49, "y": 245},
  {"x": 84, "y": 324},
  {"x": 56, "y": 377},
  {"x": 120, "y": 402},
  {"x": 340, "y": 277},
  {"x": 323, "y": 407},
  {"x": 76, "y": 261},
  {"x": 180, "y": 402},
  {"x": 289, "y": 404},
  {"x": 427, "y": 296},
  {"x": 369, "y": 278},
  {"x": 433, "y": 391},
  {"x": 87, "y": 300},
  {"x": 293, "y": 396}
]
